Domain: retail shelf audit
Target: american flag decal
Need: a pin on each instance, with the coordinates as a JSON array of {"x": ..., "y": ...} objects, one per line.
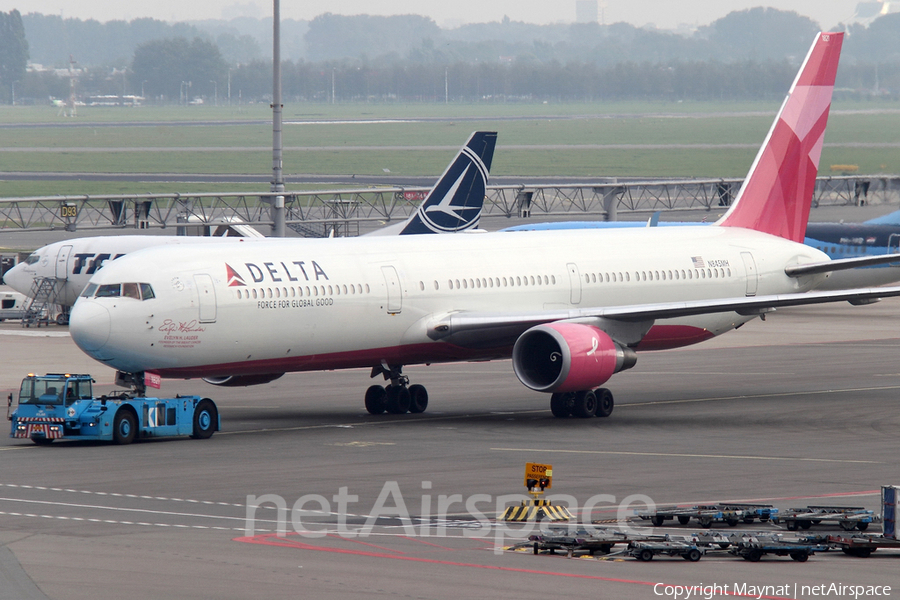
[{"x": 698, "y": 262}]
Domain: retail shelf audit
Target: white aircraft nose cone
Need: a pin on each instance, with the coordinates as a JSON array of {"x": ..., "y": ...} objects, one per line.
[
  {"x": 17, "y": 279},
  {"x": 89, "y": 325}
]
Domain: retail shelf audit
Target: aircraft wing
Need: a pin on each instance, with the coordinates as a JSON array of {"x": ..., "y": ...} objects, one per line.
[
  {"x": 487, "y": 329},
  {"x": 841, "y": 264},
  {"x": 891, "y": 219}
]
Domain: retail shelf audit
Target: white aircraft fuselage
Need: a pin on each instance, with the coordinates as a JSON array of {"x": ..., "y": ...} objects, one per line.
[{"x": 290, "y": 305}]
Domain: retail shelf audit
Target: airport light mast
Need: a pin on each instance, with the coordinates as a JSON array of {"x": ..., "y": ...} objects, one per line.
[{"x": 277, "y": 144}]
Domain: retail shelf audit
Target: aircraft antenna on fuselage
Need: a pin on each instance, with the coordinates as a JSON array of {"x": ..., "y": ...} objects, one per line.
[{"x": 777, "y": 193}]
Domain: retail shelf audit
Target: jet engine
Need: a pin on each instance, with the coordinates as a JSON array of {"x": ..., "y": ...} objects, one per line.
[
  {"x": 242, "y": 380},
  {"x": 568, "y": 357}
]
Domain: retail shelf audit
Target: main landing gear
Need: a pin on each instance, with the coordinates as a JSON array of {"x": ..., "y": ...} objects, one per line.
[
  {"x": 398, "y": 397},
  {"x": 583, "y": 404}
]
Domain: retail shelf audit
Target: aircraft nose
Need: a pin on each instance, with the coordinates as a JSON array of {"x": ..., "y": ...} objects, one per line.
[
  {"x": 89, "y": 325},
  {"x": 16, "y": 279}
]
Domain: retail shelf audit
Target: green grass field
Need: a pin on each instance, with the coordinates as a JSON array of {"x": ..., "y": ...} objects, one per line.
[{"x": 245, "y": 147}]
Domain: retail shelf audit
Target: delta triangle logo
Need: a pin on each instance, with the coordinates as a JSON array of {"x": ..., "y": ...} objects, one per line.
[{"x": 234, "y": 280}]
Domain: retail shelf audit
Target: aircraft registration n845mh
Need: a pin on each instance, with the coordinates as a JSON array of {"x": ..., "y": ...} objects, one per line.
[{"x": 571, "y": 308}]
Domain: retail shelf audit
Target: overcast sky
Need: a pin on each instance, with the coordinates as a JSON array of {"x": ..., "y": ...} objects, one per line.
[{"x": 447, "y": 13}]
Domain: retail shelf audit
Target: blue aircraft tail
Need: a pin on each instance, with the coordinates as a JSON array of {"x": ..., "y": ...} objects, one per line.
[{"x": 456, "y": 200}]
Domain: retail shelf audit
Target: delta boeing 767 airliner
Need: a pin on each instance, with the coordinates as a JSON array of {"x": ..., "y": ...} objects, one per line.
[{"x": 571, "y": 308}]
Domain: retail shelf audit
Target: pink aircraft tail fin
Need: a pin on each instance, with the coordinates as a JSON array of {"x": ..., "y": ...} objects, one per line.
[{"x": 778, "y": 191}]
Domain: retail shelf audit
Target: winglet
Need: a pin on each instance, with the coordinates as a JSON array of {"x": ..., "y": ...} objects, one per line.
[
  {"x": 778, "y": 191},
  {"x": 456, "y": 200}
]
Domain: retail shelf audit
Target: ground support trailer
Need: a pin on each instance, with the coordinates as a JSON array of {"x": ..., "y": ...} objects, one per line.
[
  {"x": 862, "y": 545},
  {"x": 62, "y": 406},
  {"x": 584, "y": 542},
  {"x": 751, "y": 512},
  {"x": 848, "y": 517},
  {"x": 707, "y": 514},
  {"x": 645, "y": 551},
  {"x": 753, "y": 548}
]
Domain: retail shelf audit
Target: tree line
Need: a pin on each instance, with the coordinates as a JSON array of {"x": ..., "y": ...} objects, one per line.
[
  {"x": 746, "y": 55},
  {"x": 518, "y": 82},
  {"x": 757, "y": 33},
  {"x": 13, "y": 52}
]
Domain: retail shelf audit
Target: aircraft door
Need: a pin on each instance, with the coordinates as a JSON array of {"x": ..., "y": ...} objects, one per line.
[
  {"x": 206, "y": 293},
  {"x": 894, "y": 244},
  {"x": 574, "y": 284},
  {"x": 62, "y": 262},
  {"x": 394, "y": 292},
  {"x": 752, "y": 275}
]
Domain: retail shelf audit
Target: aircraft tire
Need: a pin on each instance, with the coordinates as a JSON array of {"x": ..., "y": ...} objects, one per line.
[
  {"x": 398, "y": 399},
  {"x": 376, "y": 398},
  {"x": 605, "y": 402},
  {"x": 585, "y": 404},
  {"x": 418, "y": 396},
  {"x": 559, "y": 405}
]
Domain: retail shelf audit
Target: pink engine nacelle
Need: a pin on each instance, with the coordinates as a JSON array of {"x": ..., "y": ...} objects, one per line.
[{"x": 568, "y": 357}]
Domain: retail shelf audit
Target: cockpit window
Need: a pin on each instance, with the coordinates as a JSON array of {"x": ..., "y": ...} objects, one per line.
[
  {"x": 109, "y": 290},
  {"x": 32, "y": 259},
  {"x": 137, "y": 291},
  {"x": 131, "y": 290}
]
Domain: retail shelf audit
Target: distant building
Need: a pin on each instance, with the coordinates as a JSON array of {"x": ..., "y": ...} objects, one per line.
[{"x": 586, "y": 11}]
